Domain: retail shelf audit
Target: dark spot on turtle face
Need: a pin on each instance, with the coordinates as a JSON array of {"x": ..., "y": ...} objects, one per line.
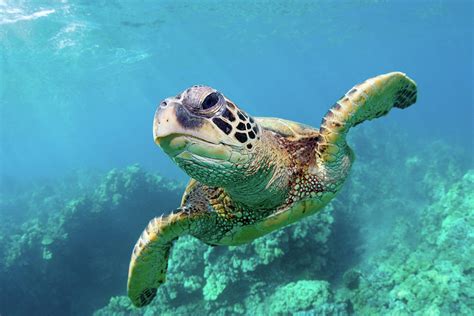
[
  {"x": 251, "y": 135},
  {"x": 251, "y": 119},
  {"x": 225, "y": 127},
  {"x": 337, "y": 106},
  {"x": 228, "y": 115},
  {"x": 241, "y": 137},
  {"x": 241, "y": 126},
  {"x": 230, "y": 105},
  {"x": 186, "y": 119},
  {"x": 255, "y": 129},
  {"x": 241, "y": 116},
  {"x": 249, "y": 146},
  {"x": 249, "y": 126},
  {"x": 352, "y": 91}
]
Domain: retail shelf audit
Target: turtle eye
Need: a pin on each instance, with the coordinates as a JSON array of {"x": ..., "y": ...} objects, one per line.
[{"x": 210, "y": 101}]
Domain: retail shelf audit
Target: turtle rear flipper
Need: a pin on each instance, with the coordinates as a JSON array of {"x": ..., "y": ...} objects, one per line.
[
  {"x": 371, "y": 99},
  {"x": 149, "y": 260}
]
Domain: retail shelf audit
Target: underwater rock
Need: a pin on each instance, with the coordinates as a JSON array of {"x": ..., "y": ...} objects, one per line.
[{"x": 352, "y": 279}]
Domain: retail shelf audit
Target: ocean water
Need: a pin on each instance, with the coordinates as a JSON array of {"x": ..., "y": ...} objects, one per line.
[{"x": 80, "y": 175}]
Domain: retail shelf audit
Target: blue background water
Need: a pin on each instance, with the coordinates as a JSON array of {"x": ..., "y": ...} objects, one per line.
[{"x": 80, "y": 80}]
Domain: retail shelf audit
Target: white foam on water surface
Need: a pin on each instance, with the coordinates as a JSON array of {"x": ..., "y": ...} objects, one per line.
[{"x": 10, "y": 14}]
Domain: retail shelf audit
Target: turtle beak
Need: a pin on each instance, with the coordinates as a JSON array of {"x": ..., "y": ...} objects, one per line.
[
  {"x": 164, "y": 123},
  {"x": 174, "y": 129},
  {"x": 166, "y": 130},
  {"x": 172, "y": 120}
]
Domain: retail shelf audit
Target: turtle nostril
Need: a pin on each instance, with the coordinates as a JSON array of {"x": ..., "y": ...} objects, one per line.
[{"x": 163, "y": 104}]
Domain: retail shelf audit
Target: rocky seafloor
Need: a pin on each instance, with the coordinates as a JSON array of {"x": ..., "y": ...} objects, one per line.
[{"x": 398, "y": 240}]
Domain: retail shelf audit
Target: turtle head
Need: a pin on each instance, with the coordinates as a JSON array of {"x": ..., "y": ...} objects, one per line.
[{"x": 207, "y": 135}]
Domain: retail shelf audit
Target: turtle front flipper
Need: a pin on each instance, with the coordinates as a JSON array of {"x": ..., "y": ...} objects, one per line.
[
  {"x": 149, "y": 260},
  {"x": 371, "y": 99}
]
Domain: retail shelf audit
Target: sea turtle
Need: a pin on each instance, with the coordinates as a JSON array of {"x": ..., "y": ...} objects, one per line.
[{"x": 250, "y": 176}]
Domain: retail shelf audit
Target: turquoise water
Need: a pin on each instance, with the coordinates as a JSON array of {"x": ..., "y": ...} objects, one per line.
[{"x": 80, "y": 82}]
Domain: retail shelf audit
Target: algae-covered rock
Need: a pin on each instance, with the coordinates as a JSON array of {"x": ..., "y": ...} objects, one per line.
[{"x": 351, "y": 279}]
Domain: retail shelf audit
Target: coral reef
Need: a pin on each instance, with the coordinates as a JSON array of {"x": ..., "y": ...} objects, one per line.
[
  {"x": 369, "y": 252},
  {"x": 398, "y": 240},
  {"x": 74, "y": 239},
  {"x": 433, "y": 277},
  {"x": 221, "y": 280}
]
